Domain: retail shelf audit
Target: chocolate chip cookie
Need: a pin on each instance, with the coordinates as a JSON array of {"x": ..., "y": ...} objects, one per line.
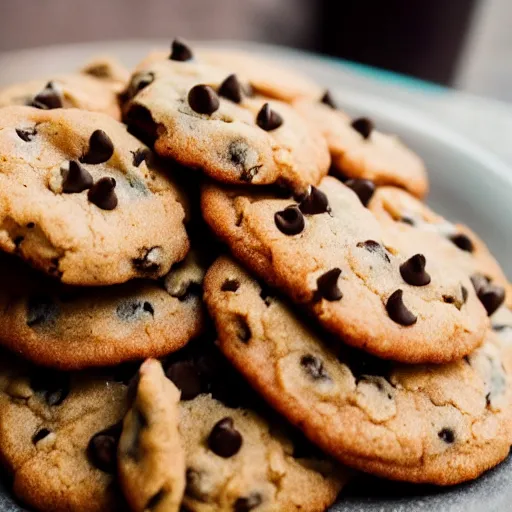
[
  {"x": 438, "y": 424},
  {"x": 75, "y": 327},
  {"x": 83, "y": 200},
  {"x": 58, "y": 437},
  {"x": 268, "y": 78},
  {"x": 330, "y": 255},
  {"x": 206, "y": 117},
  {"x": 151, "y": 456},
  {"x": 403, "y": 214},
  {"x": 95, "y": 88},
  {"x": 359, "y": 151}
]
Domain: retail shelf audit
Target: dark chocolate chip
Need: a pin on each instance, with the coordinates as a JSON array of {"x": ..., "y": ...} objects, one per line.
[
  {"x": 374, "y": 247},
  {"x": 464, "y": 291},
  {"x": 363, "y": 188},
  {"x": 40, "y": 434},
  {"x": 314, "y": 203},
  {"x": 413, "y": 271},
  {"x": 102, "y": 449},
  {"x": 186, "y": 377},
  {"x": 447, "y": 435},
  {"x": 290, "y": 221},
  {"x": 48, "y": 99},
  {"x": 52, "y": 385},
  {"x": 268, "y": 119},
  {"x": 230, "y": 285},
  {"x": 102, "y": 194},
  {"x": 407, "y": 220},
  {"x": 203, "y": 99},
  {"x": 397, "y": 310},
  {"x": 41, "y": 310},
  {"x": 139, "y": 82},
  {"x": 224, "y": 440},
  {"x": 31, "y": 225},
  {"x": 75, "y": 178},
  {"x": 231, "y": 88},
  {"x": 243, "y": 331},
  {"x": 314, "y": 367},
  {"x": 328, "y": 100},
  {"x": 327, "y": 286},
  {"x": 492, "y": 297},
  {"x": 26, "y": 135},
  {"x": 100, "y": 149},
  {"x": 140, "y": 156},
  {"x": 463, "y": 242},
  {"x": 363, "y": 126},
  {"x": 155, "y": 500},
  {"x": 146, "y": 261},
  {"x": 134, "y": 310},
  {"x": 180, "y": 51},
  {"x": 248, "y": 503}
]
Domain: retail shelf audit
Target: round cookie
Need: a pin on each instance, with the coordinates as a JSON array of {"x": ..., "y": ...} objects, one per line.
[
  {"x": 203, "y": 117},
  {"x": 330, "y": 255},
  {"x": 268, "y": 78},
  {"x": 80, "y": 201},
  {"x": 358, "y": 151},
  {"x": 47, "y": 421},
  {"x": 151, "y": 458},
  {"x": 401, "y": 213},
  {"x": 436, "y": 424},
  {"x": 73, "y": 328},
  {"x": 94, "y": 88}
]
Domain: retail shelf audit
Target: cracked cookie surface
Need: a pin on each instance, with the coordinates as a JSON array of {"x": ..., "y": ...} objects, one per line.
[
  {"x": 359, "y": 151},
  {"x": 232, "y": 136},
  {"x": 422, "y": 423},
  {"x": 328, "y": 254},
  {"x": 85, "y": 201},
  {"x": 401, "y": 213},
  {"x": 75, "y": 327},
  {"x": 151, "y": 457}
]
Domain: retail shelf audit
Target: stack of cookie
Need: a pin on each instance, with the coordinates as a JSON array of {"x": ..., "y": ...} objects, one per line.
[{"x": 299, "y": 309}]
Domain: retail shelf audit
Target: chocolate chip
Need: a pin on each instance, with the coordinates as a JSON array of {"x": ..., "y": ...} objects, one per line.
[
  {"x": 243, "y": 331},
  {"x": 328, "y": 100},
  {"x": 363, "y": 126},
  {"x": 100, "y": 149},
  {"x": 40, "y": 434},
  {"x": 52, "y": 385},
  {"x": 363, "y": 188},
  {"x": 501, "y": 327},
  {"x": 31, "y": 225},
  {"x": 407, "y": 220},
  {"x": 224, "y": 440},
  {"x": 462, "y": 242},
  {"x": 48, "y": 99},
  {"x": 140, "y": 81},
  {"x": 230, "y": 285},
  {"x": 203, "y": 99},
  {"x": 102, "y": 449},
  {"x": 231, "y": 88},
  {"x": 397, "y": 310},
  {"x": 374, "y": 247},
  {"x": 268, "y": 119},
  {"x": 26, "y": 135},
  {"x": 290, "y": 221},
  {"x": 180, "y": 51},
  {"x": 447, "y": 435},
  {"x": 464, "y": 291},
  {"x": 492, "y": 297},
  {"x": 102, "y": 194},
  {"x": 314, "y": 367},
  {"x": 327, "y": 286},
  {"x": 149, "y": 260},
  {"x": 155, "y": 500},
  {"x": 186, "y": 377},
  {"x": 75, "y": 178},
  {"x": 41, "y": 309},
  {"x": 314, "y": 203},
  {"x": 413, "y": 271},
  {"x": 248, "y": 503},
  {"x": 140, "y": 156},
  {"x": 134, "y": 310}
]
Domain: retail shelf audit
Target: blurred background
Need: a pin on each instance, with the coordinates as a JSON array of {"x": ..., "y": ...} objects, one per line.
[{"x": 463, "y": 43}]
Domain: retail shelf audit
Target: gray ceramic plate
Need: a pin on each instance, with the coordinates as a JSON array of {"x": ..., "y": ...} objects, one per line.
[{"x": 469, "y": 184}]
